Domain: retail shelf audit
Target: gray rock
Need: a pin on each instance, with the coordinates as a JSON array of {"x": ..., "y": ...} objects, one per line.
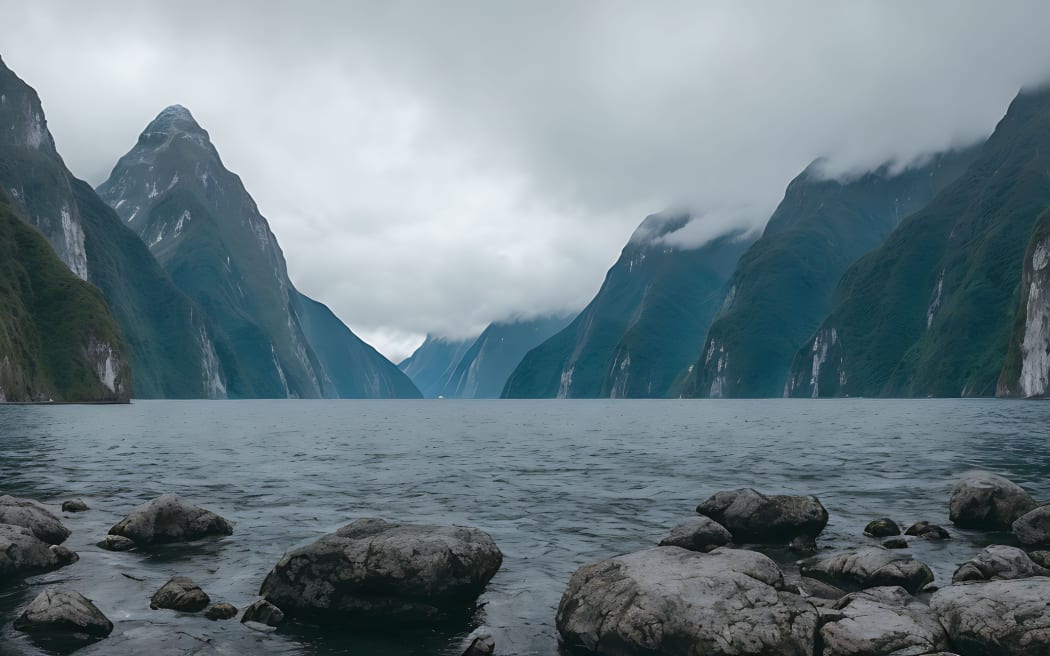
[
  {"x": 984, "y": 500},
  {"x": 808, "y": 587},
  {"x": 169, "y": 518},
  {"x": 59, "y": 611},
  {"x": 74, "y": 506},
  {"x": 996, "y": 618},
  {"x": 674, "y": 602},
  {"x": 869, "y": 568},
  {"x": 482, "y": 644},
  {"x": 264, "y": 613},
  {"x": 34, "y": 516},
  {"x": 896, "y": 543},
  {"x": 220, "y": 611},
  {"x": 883, "y": 621},
  {"x": 1033, "y": 528},
  {"x": 22, "y": 553},
  {"x": 882, "y": 528},
  {"x": 697, "y": 534},
  {"x": 999, "y": 562},
  {"x": 1041, "y": 558},
  {"x": 116, "y": 543},
  {"x": 803, "y": 545},
  {"x": 928, "y": 531},
  {"x": 180, "y": 593},
  {"x": 752, "y": 516},
  {"x": 374, "y": 570}
]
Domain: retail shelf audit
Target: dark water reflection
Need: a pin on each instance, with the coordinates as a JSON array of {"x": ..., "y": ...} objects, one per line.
[{"x": 558, "y": 484}]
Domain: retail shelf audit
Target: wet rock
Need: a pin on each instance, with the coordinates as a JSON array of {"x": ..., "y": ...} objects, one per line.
[
  {"x": 1000, "y": 618},
  {"x": 33, "y": 516},
  {"x": 928, "y": 531},
  {"x": 808, "y": 587},
  {"x": 1041, "y": 558},
  {"x": 180, "y": 593},
  {"x": 896, "y": 543},
  {"x": 984, "y": 500},
  {"x": 74, "y": 506},
  {"x": 869, "y": 568},
  {"x": 116, "y": 543},
  {"x": 482, "y": 644},
  {"x": 697, "y": 534},
  {"x": 882, "y": 528},
  {"x": 169, "y": 518},
  {"x": 22, "y": 553},
  {"x": 675, "y": 602},
  {"x": 1033, "y": 528},
  {"x": 880, "y": 622},
  {"x": 999, "y": 562},
  {"x": 752, "y": 516},
  {"x": 803, "y": 545},
  {"x": 263, "y": 612},
  {"x": 59, "y": 612},
  {"x": 379, "y": 571},
  {"x": 220, "y": 611}
]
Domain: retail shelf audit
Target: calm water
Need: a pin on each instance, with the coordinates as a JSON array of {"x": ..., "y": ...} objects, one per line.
[{"x": 558, "y": 484}]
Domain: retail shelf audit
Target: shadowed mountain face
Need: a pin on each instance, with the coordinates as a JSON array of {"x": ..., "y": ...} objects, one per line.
[
  {"x": 431, "y": 365},
  {"x": 206, "y": 231},
  {"x": 170, "y": 348},
  {"x": 782, "y": 288},
  {"x": 645, "y": 326},
  {"x": 930, "y": 312}
]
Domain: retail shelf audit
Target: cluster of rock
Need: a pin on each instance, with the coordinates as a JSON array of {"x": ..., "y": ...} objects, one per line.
[{"x": 694, "y": 594}]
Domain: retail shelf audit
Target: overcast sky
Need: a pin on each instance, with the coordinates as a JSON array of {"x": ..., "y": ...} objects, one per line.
[{"x": 434, "y": 166}]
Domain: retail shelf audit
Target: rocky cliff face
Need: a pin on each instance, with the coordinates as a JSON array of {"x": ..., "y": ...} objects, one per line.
[
  {"x": 1026, "y": 372},
  {"x": 431, "y": 365}
]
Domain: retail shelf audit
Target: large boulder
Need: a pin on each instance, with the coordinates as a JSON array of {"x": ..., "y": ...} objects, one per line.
[
  {"x": 22, "y": 553},
  {"x": 754, "y": 517},
  {"x": 996, "y": 618},
  {"x": 263, "y": 612},
  {"x": 1033, "y": 528},
  {"x": 985, "y": 500},
  {"x": 675, "y": 602},
  {"x": 169, "y": 518},
  {"x": 869, "y": 568},
  {"x": 57, "y": 612},
  {"x": 697, "y": 534},
  {"x": 378, "y": 571},
  {"x": 882, "y": 622},
  {"x": 180, "y": 593},
  {"x": 999, "y": 562},
  {"x": 34, "y": 516}
]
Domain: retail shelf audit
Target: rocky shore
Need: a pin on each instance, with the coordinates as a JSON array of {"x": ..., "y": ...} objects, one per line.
[{"x": 716, "y": 584}]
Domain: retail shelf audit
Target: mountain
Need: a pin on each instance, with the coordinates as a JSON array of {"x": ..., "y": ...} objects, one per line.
[
  {"x": 57, "y": 338},
  {"x": 930, "y": 312},
  {"x": 431, "y": 365},
  {"x": 206, "y": 231},
  {"x": 782, "y": 288},
  {"x": 644, "y": 327},
  {"x": 1026, "y": 372},
  {"x": 171, "y": 350}
]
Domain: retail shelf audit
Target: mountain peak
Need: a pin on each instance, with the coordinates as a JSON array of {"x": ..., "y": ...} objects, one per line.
[{"x": 171, "y": 121}]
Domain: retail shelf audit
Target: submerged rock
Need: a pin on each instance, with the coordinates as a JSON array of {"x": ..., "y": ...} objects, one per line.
[
  {"x": 220, "y": 611},
  {"x": 169, "y": 518},
  {"x": 869, "y": 568},
  {"x": 1033, "y": 528},
  {"x": 263, "y": 612},
  {"x": 180, "y": 593},
  {"x": 22, "y": 553},
  {"x": 60, "y": 612},
  {"x": 752, "y": 516},
  {"x": 74, "y": 506},
  {"x": 379, "y": 571},
  {"x": 999, "y": 562},
  {"x": 996, "y": 618},
  {"x": 882, "y": 528},
  {"x": 115, "y": 543},
  {"x": 34, "y": 516},
  {"x": 697, "y": 534},
  {"x": 928, "y": 531},
  {"x": 985, "y": 500},
  {"x": 674, "y": 602},
  {"x": 880, "y": 622},
  {"x": 896, "y": 543}
]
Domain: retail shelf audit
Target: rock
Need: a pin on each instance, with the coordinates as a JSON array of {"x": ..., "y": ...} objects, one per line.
[
  {"x": 22, "y": 553},
  {"x": 808, "y": 587},
  {"x": 220, "y": 611},
  {"x": 928, "y": 531},
  {"x": 803, "y": 545},
  {"x": 882, "y": 528},
  {"x": 1033, "y": 528},
  {"x": 896, "y": 543},
  {"x": 869, "y": 568},
  {"x": 984, "y": 500},
  {"x": 179, "y": 593},
  {"x": 674, "y": 602},
  {"x": 882, "y": 621},
  {"x": 1000, "y": 618},
  {"x": 483, "y": 644},
  {"x": 34, "y": 516},
  {"x": 116, "y": 543},
  {"x": 74, "y": 506},
  {"x": 374, "y": 570},
  {"x": 752, "y": 516},
  {"x": 57, "y": 611},
  {"x": 697, "y": 534},
  {"x": 999, "y": 562},
  {"x": 263, "y": 612},
  {"x": 168, "y": 518},
  {"x": 1041, "y": 558}
]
